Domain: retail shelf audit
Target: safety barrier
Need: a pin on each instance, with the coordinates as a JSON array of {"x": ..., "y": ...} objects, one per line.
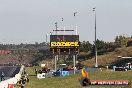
[{"x": 14, "y": 80}]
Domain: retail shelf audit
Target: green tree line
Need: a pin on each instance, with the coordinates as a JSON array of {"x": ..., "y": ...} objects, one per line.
[{"x": 104, "y": 47}]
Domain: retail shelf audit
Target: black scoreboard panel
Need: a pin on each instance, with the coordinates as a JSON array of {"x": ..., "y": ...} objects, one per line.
[
  {"x": 64, "y": 38},
  {"x": 64, "y": 44},
  {"x": 64, "y": 41}
]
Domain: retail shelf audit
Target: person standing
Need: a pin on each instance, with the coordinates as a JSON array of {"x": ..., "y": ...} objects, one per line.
[
  {"x": 2, "y": 76},
  {"x": 36, "y": 71}
]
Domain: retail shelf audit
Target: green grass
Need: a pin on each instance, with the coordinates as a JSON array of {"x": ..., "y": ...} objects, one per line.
[{"x": 72, "y": 81}]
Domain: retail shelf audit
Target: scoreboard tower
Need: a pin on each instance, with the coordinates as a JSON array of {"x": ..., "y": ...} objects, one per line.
[{"x": 64, "y": 45}]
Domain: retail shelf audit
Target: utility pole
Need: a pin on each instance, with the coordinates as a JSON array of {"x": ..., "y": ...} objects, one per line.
[
  {"x": 63, "y": 27},
  {"x": 74, "y": 62},
  {"x": 76, "y": 23},
  {"x": 96, "y": 61},
  {"x": 55, "y": 61},
  {"x": 46, "y": 37},
  {"x": 56, "y": 27}
]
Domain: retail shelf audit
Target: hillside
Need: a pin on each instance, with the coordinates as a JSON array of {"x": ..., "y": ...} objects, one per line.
[
  {"x": 16, "y": 59},
  {"x": 111, "y": 57}
]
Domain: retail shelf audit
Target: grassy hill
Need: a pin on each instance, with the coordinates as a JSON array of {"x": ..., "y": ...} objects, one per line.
[{"x": 110, "y": 58}]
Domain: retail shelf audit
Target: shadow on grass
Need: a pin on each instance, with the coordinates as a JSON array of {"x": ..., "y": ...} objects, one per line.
[{"x": 32, "y": 75}]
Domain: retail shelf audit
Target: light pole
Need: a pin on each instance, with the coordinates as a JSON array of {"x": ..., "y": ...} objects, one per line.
[
  {"x": 56, "y": 26},
  {"x": 76, "y": 23},
  {"x": 96, "y": 62},
  {"x": 47, "y": 38},
  {"x": 63, "y": 27}
]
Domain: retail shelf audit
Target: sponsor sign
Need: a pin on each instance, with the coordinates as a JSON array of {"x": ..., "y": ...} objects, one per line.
[
  {"x": 10, "y": 85},
  {"x": 86, "y": 81},
  {"x": 5, "y": 52},
  {"x": 109, "y": 82},
  {"x": 64, "y": 44}
]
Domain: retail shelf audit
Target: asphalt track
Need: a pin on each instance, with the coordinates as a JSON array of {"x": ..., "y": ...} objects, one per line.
[{"x": 9, "y": 71}]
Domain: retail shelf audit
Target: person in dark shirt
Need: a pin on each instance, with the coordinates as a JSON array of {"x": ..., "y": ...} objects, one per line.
[{"x": 2, "y": 76}]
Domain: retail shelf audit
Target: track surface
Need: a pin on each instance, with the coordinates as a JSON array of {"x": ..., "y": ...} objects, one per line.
[{"x": 9, "y": 71}]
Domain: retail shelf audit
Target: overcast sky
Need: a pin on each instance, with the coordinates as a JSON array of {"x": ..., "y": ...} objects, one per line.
[{"x": 28, "y": 21}]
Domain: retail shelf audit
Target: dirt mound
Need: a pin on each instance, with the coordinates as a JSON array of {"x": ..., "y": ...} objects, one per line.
[{"x": 110, "y": 57}]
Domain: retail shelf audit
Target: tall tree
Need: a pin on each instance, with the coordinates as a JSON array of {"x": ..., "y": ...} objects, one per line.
[
  {"x": 86, "y": 46},
  {"x": 121, "y": 41}
]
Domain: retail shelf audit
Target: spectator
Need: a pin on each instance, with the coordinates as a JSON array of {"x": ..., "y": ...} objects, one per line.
[
  {"x": 2, "y": 76},
  {"x": 36, "y": 71}
]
